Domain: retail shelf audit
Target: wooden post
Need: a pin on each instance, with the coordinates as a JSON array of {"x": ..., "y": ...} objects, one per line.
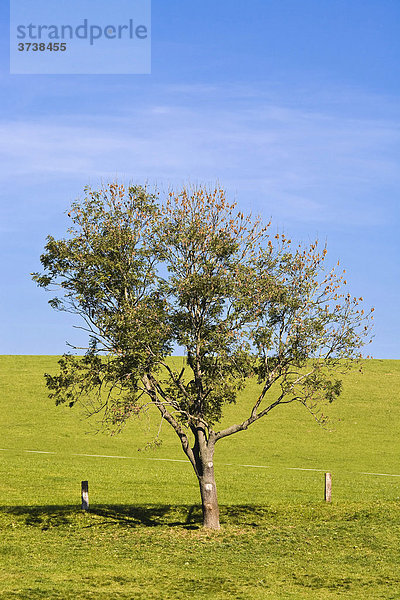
[
  {"x": 328, "y": 487},
  {"x": 85, "y": 495}
]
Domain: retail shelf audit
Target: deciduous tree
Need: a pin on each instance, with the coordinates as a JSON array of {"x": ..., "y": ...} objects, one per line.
[{"x": 146, "y": 275}]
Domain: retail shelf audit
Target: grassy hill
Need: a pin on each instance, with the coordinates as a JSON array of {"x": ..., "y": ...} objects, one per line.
[
  {"x": 363, "y": 436},
  {"x": 142, "y": 539}
]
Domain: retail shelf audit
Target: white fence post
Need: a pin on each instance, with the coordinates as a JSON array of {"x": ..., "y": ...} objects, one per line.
[{"x": 328, "y": 487}]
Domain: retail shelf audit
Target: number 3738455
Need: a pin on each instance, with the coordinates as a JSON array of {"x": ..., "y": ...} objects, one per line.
[{"x": 42, "y": 47}]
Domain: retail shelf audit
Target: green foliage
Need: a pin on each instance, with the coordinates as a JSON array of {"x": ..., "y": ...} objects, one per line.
[
  {"x": 105, "y": 273},
  {"x": 146, "y": 275}
]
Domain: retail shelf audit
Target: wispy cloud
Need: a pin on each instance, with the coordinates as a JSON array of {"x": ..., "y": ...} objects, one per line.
[{"x": 308, "y": 164}]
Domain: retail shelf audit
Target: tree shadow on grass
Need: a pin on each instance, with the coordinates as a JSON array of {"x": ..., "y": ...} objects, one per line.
[
  {"x": 129, "y": 515},
  {"x": 189, "y": 517},
  {"x": 46, "y": 517}
]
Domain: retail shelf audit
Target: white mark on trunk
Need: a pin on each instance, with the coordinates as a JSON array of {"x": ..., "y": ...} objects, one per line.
[
  {"x": 208, "y": 487},
  {"x": 210, "y": 464}
]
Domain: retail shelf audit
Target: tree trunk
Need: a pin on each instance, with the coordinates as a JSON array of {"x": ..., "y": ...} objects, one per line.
[
  {"x": 209, "y": 501},
  {"x": 208, "y": 489}
]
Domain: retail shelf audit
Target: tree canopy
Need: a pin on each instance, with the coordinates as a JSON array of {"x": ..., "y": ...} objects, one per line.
[{"x": 148, "y": 275}]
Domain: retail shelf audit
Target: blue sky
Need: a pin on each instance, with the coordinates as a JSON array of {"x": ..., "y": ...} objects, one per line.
[{"x": 293, "y": 106}]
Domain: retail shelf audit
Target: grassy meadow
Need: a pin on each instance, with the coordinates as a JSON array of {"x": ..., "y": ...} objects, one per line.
[{"x": 142, "y": 537}]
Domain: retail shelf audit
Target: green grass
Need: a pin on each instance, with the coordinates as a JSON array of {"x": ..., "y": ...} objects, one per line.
[
  {"x": 142, "y": 537},
  {"x": 148, "y": 552}
]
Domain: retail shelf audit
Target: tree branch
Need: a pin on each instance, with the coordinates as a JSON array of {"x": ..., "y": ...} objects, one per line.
[
  {"x": 150, "y": 387},
  {"x": 253, "y": 417}
]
